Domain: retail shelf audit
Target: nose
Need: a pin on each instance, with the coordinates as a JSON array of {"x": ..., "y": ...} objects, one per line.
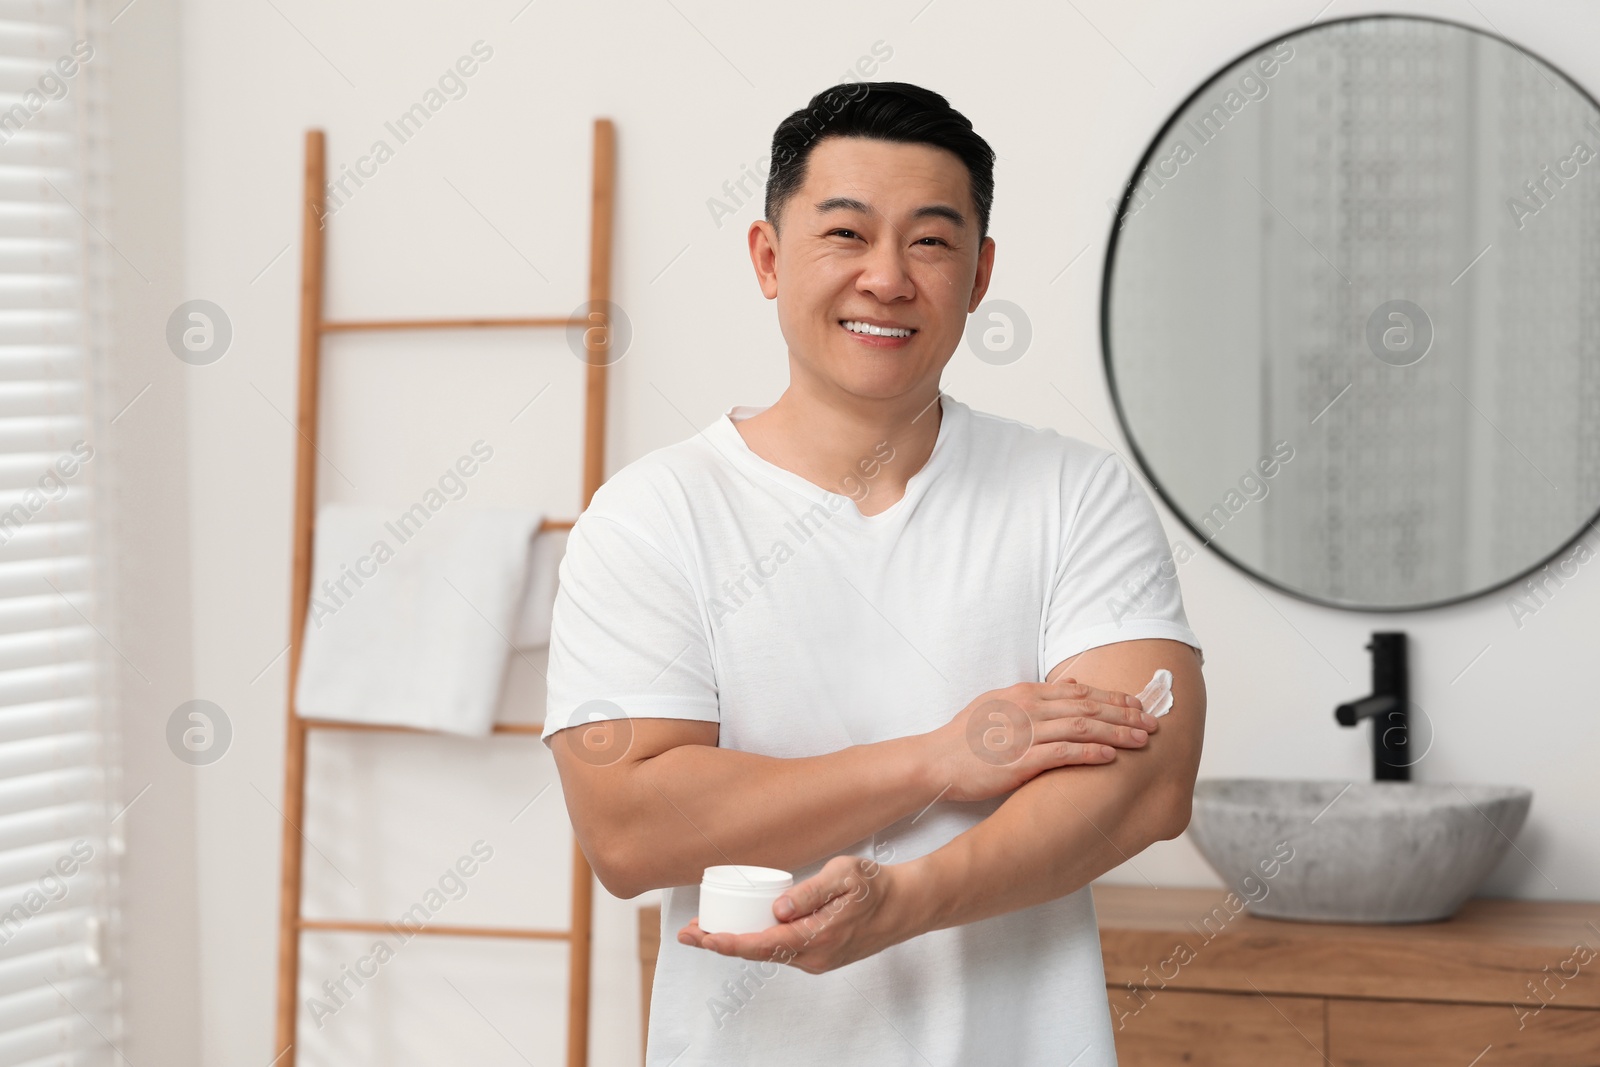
[{"x": 884, "y": 274}]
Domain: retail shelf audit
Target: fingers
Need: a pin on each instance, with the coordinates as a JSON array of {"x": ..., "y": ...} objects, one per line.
[
  {"x": 1071, "y": 698},
  {"x": 748, "y": 946},
  {"x": 1072, "y": 689},
  {"x": 1068, "y": 753},
  {"x": 839, "y": 876},
  {"x": 1086, "y": 730}
]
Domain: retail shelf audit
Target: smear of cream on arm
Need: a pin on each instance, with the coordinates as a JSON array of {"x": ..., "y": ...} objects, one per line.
[{"x": 1157, "y": 696}]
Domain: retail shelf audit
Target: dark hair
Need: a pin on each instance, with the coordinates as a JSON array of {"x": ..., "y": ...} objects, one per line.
[{"x": 886, "y": 111}]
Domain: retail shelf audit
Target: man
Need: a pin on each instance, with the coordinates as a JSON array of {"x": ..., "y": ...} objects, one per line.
[{"x": 878, "y": 639}]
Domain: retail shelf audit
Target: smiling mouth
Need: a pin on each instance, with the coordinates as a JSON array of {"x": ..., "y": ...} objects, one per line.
[{"x": 866, "y": 329}]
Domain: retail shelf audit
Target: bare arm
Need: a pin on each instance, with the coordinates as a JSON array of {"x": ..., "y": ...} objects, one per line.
[
  {"x": 655, "y": 801},
  {"x": 1069, "y": 825},
  {"x": 673, "y": 804}
]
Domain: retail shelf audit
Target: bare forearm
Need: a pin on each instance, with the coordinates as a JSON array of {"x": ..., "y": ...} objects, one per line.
[
  {"x": 695, "y": 806},
  {"x": 1053, "y": 836},
  {"x": 1067, "y": 826}
]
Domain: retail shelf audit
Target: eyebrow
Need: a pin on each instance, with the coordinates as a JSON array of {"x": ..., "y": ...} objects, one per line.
[{"x": 927, "y": 211}]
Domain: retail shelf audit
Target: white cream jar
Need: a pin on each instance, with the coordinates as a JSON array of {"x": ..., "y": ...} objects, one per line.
[{"x": 737, "y": 898}]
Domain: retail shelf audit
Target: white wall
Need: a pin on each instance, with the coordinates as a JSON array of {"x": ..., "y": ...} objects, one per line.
[
  {"x": 485, "y": 211},
  {"x": 147, "y": 447}
]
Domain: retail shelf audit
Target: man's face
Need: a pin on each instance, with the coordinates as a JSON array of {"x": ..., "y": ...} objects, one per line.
[{"x": 870, "y": 237}]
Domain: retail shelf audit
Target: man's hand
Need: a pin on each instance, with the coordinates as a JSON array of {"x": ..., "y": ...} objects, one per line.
[
  {"x": 1064, "y": 828},
  {"x": 1006, "y": 736},
  {"x": 851, "y": 909},
  {"x": 1056, "y": 834}
]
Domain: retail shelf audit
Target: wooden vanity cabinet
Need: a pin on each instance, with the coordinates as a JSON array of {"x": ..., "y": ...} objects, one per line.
[{"x": 1192, "y": 979}]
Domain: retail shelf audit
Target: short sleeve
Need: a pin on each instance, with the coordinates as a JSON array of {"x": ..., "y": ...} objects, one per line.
[
  {"x": 1115, "y": 579},
  {"x": 625, "y": 629}
]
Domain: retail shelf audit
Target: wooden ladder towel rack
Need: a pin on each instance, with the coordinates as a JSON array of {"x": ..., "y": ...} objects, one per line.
[{"x": 312, "y": 328}]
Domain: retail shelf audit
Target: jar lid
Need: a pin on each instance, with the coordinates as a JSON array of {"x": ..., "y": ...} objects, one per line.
[{"x": 744, "y": 876}]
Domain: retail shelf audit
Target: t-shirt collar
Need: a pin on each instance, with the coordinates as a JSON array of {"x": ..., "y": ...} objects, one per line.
[{"x": 729, "y": 442}]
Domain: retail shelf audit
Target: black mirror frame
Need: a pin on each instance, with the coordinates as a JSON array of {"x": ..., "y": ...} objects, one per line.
[{"x": 1105, "y": 331}]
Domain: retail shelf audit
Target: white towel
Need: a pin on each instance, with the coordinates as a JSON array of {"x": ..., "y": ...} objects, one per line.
[
  {"x": 411, "y": 617},
  {"x": 539, "y": 596}
]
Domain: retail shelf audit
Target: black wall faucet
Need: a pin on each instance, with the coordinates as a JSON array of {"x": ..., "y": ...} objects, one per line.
[{"x": 1387, "y": 707}]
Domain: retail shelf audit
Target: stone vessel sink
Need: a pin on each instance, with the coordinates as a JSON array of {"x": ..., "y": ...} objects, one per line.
[{"x": 1360, "y": 852}]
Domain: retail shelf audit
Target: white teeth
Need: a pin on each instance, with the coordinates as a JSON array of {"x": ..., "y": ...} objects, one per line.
[{"x": 876, "y": 331}]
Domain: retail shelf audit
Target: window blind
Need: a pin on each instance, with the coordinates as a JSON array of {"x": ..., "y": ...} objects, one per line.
[{"x": 59, "y": 999}]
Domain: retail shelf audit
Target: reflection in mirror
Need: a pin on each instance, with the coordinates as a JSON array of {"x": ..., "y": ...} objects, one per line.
[{"x": 1352, "y": 313}]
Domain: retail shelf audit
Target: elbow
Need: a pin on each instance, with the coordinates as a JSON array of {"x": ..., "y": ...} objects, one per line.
[
  {"x": 623, "y": 890},
  {"x": 615, "y": 871},
  {"x": 610, "y": 875},
  {"x": 620, "y": 856},
  {"x": 607, "y": 849},
  {"x": 1176, "y": 813},
  {"x": 603, "y": 823},
  {"x": 628, "y": 863}
]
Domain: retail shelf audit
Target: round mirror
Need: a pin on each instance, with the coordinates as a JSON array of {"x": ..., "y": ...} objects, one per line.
[{"x": 1352, "y": 313}]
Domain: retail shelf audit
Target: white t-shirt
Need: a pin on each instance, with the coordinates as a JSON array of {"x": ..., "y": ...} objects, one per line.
[{"x": 704, "y": 582}]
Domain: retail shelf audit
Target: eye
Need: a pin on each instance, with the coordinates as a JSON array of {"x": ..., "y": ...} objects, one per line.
[
  {"x": 850, "y": 233},
  {"x": 941, "y": 240}
]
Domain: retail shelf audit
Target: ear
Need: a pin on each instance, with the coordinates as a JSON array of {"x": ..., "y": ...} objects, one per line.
[
  {"x": 763, "y": 240},
  {"x": 980, "y": 280}
]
